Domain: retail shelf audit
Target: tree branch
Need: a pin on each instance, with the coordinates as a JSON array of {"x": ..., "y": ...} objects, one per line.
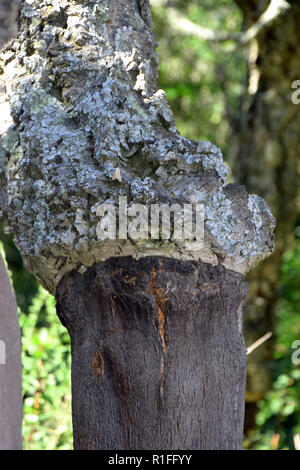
[{"x": 182, "y": 24}]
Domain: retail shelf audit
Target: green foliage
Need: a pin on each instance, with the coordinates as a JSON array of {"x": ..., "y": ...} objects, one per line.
[
  {"x": 203, "y": 84},
  {"x": 46, "y": 360},
  {"x": 46, "y": 376},
  {"x": 279, "y": 412}
]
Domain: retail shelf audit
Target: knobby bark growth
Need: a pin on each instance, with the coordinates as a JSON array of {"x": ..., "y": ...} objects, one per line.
[
  {"x": 157, "y": 345},
  {"x": 158, "y": 355}
]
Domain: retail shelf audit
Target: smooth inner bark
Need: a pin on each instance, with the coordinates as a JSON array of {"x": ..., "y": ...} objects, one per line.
[{"x": 158, "y": 354}]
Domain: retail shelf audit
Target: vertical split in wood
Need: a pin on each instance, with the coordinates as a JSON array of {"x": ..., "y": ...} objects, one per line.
[{"x": 160, "y": 303}]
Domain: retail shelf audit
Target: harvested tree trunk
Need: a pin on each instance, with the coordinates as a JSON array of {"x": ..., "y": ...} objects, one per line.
[
  {"x": 158, "y": 354},
  {"x": 87, "y": 126}
]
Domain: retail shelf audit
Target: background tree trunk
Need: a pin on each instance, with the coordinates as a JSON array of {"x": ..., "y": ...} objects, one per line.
[
  {"x": 9, "y": 10},
  {"x": 158, "y": 354},
  {"x": 11, "y": 404},
  {"x": 264, "y": 156}
]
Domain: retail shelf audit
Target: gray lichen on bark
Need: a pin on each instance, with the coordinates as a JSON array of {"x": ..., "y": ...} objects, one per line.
[{"x": 80, "y": 102}]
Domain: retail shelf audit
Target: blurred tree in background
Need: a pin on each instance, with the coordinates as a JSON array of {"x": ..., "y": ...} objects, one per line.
[
  {"x": 46, "y": 361},
  {"x": 236, "y": 93},
  {"x": 264, "y": 155}
]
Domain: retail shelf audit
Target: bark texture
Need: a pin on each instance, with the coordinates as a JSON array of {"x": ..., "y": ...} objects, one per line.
[
  {"x": 83, "y": 107},
  {"x": 11, "y": 403},
  {"x": 158, "y": 354},
  {"x": 265, "y": 158}
]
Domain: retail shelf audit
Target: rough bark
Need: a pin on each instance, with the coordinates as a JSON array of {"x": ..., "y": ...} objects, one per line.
[
  {"x": 11, "y": 403},
  {"x": 81, "y": 87},
  {"x": 158, "y": 354},
  {"x": 265, "y": 158},
  {"x": 86, "y": 125}
]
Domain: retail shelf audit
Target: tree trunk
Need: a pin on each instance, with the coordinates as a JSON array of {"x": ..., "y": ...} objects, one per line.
[
  {"x": 157, "y": 349},
  {"x": 265, "y": 158},
  {"x": 11, "y": 403},
  {"x": 158, "y": 354}
]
